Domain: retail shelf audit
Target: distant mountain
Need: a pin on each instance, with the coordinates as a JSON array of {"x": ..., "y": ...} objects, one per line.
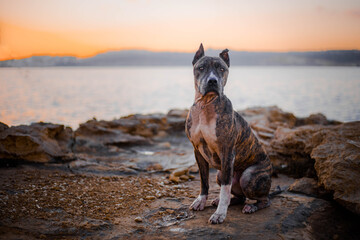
[
  {"x": 40, "y": 61},
  {"x": 237, "y": 58}
]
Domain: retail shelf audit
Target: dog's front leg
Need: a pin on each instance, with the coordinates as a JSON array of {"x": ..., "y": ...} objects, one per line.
[
  {"x": 200, "y": 201},
  {"x": 227, "y": 165}
]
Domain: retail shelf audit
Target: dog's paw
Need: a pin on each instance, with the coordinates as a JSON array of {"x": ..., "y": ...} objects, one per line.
[
  {"x": 217, "y": 218},
  {"x": 249, "y": 208},
  {"x": 199, "y": 203},
  {"x": 215, "y": 202}
]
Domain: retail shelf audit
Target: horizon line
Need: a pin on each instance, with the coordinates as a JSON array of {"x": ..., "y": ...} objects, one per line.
[{"x": 171, "y": 51}]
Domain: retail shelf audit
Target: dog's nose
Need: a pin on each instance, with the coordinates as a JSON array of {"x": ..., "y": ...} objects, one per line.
[{"x": 212, "y": 82}]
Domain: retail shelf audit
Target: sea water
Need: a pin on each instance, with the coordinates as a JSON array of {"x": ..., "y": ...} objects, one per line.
[{"x": 72, "y": 95}]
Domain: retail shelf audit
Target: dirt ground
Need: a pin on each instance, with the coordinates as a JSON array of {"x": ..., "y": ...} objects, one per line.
[{"x": 52, "y": 202}]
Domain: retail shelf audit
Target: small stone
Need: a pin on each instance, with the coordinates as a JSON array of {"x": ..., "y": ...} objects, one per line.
[
  {"x": 150, "y": 197},
  {"x": 170, "y": 211},
  {"x": 138, "y": 219},
  {"x": 180, "y": 171},
  {"x": 174, "y": 179},
  {"x": 184, "y": 177}
]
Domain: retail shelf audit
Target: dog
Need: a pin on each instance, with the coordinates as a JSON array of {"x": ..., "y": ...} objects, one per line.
[{"x": 223, "y": 140}]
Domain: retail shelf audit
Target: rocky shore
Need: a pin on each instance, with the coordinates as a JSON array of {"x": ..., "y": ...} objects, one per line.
[{"x": 135, "y": 177}]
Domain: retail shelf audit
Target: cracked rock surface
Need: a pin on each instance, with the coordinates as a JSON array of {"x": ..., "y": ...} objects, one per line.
[{"x": 135, "y": 178}]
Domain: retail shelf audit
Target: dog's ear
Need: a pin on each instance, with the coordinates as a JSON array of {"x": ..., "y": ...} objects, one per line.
[
  {"x": 225, "y": 56},
  {"x": 199, "y": 54}
]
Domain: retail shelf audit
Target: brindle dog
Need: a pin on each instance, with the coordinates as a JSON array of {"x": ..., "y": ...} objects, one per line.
[{"x": 222, "y": 139}]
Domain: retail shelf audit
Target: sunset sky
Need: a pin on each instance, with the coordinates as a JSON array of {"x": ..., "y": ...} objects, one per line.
[{"x": 85, "y": 27}]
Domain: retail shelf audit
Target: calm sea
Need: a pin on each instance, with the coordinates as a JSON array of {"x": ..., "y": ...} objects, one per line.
[{"x": 75, "y": 94}]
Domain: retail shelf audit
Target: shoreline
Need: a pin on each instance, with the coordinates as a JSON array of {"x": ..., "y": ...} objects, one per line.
[
  {"x": 135, "y": 177},
  {"x": 109, "y": 119}
]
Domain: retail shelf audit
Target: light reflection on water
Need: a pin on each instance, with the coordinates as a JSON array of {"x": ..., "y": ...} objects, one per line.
[{"x": 74, "y": 95}]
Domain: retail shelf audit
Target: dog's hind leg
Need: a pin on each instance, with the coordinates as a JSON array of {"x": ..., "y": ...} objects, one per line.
[
  {"x": 255, "y": 183},
  {"x": 239, "y": 197}
]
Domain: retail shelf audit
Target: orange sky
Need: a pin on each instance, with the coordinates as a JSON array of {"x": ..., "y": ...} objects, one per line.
[{"x": 85, "y": 27}]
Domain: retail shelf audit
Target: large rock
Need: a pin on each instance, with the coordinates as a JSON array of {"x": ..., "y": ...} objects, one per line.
[
  {"x": 285, "y": 142},
  {"x": 3, "y": 126},
  {"x": 153, "y": 125},
  {"x": 96, "y": 137},
  {"x": 337, "y": 163},
  {"x": 39, "y": 142},
  {"x": 333, "y": 151},
  {"x": 299, "y": 140},
  {"x": 143, "y": 125},
  {"x": 290, "y": 150},
  {"x": 317, "y": 118},
  {"x": 312, "y": 147},
  {"x": 266, "y": 120},
  {"x": 109, "y": 145},
  {"x": 268, "y": 117}
]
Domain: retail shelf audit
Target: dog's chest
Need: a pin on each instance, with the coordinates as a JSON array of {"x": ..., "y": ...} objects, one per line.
[{"x": 203, "y": 135}]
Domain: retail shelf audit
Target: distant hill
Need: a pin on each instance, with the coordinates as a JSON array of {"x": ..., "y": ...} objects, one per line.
[{"x": 237, "y": 58}]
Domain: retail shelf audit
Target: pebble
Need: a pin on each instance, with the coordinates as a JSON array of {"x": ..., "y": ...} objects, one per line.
[
  {"x": 138, "y": 219},
  {"x": 174, "y": 179},
  {"x": 179, "y": 172},
  {"x": 170, "y": 211},
  {"x": 150, "y": 197},
  {"x": 184, "y": 177},
  {"x": 180, "y": 175}
]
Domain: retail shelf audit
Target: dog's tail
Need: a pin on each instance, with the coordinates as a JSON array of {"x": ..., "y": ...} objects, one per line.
[{"x": 277, "y": 191}]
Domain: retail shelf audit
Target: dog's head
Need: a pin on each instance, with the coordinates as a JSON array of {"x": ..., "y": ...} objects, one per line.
[{"x": 210, "y": 73}]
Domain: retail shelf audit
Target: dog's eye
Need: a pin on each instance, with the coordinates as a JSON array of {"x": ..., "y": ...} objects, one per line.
[
  {"x": 201, "y": 68},
  {"x": 222, "y": 69}
]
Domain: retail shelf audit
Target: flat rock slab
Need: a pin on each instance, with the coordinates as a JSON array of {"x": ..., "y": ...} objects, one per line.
[{"x": 40, "y": 202}]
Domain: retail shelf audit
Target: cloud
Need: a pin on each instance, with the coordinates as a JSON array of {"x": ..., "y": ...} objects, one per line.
[{"x": 353, "y": 13}]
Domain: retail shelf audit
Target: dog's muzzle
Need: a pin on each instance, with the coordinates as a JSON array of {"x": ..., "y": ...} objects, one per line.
[
  {"x": 212, "y": 86},
  {"x": 213, "y": 82}
]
